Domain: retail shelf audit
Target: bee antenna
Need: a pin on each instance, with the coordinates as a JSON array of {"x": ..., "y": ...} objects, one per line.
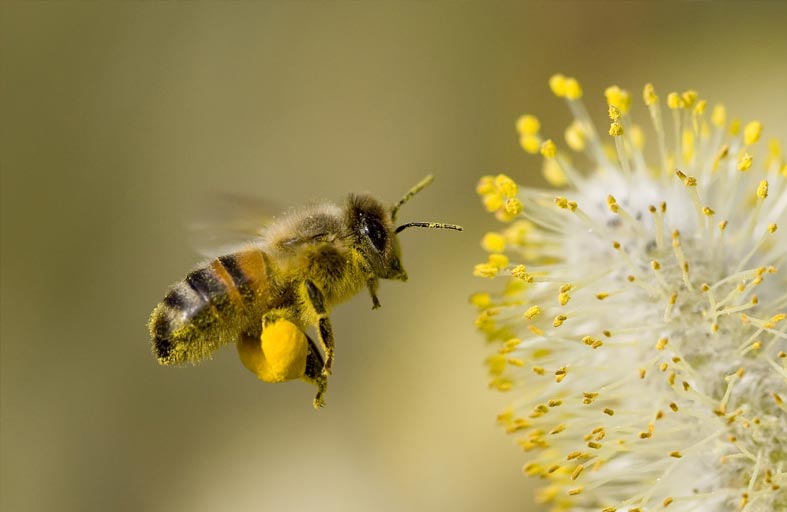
[
  {"x": 409, "y": 195},
  {"x": 434, "y": 225}
]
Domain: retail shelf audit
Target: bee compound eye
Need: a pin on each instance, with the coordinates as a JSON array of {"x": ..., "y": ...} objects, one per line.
[{"x": 376, "y": 233}]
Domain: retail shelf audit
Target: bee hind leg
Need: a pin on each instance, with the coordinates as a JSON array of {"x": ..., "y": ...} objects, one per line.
[
  {"x": 314, "y": 375},
  {"x": 324, "y": 329}
]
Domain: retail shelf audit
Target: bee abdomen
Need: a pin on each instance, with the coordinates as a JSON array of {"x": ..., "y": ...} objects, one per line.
[{"x": 209, "y": 308}]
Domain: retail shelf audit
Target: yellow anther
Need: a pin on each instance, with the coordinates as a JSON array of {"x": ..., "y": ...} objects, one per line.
[
  {"x": 513, "y": 206},
  {"x": 689, "y": 181},
  {"x": 498, "y": 260},
  {"x": 614, "y": 113},
  {"x": 674, "y": 101},
  {"x": 539, "y": 370},
  {"x": 744, "y": 162},
  {"x": 561, "y": 202},
  {"x": 558, "y": 429},
  {"x": 520, "y": 272},
  {"x": 612, "y": 203},
  {"x": 618, "y": 98},
  {"x": 637, "y": 136},
  {"x": 532, "y": 312},
  {"x": 719, "y": 116},
  {"x": 573, "y": 89},
  {"x": 481, "y": 300},
  {"x": 553, "y": 173},
  {"x": 707, "y": 211},
  {"x": 689, "y": 97},
  {"x": 548, "y": 149},
  {"x": 752, "y": 132},
  {"x": 735, "y": 127},
  {"x": 559, "y": 319},
  {"x": 577, "y": 471},
  {"x": 616, "y": 129},
  {"x": 676, "y": 454},
  {"x": 558, "y": 85},
  {"x": 485, "y": 270},
  {"x": 530, "y": 143},
  {"x": 563, "y": 298},
  {"x": 575, "y": 136},
  {"x": 699, "y": 108},
  {"x": 506, "y": 186},
  {"x": 492, "y": 202},
  {"x": 667, "y": 501},
  {"x": 493, "y": 242},
  {"x": 575, "y": 491},
  {"x": 486, "y": 185},
  {"x": 609, "y": 412},
  {"x": 662, "y": 344},
  {"x": 513, "y": 361},
  {"x": 528, "y": 125},
  {"x": 772, "y": 228},
  {"x": 762, "y": 189},
  {"x": 649, "y": 95},
  {"x": 602, "y": 295},
  {"x": 722, "y": 225},
  {"x": 642, "y": 373}
]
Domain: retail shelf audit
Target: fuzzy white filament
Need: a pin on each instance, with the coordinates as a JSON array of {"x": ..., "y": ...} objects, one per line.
[{"x": 640, "y": 329}]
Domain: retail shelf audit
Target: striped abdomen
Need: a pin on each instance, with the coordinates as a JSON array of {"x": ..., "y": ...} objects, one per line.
[{"x": 211, "y": 307}]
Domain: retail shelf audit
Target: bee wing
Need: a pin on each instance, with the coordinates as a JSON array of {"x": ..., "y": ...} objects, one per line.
[{"x": 228, "y": 222}]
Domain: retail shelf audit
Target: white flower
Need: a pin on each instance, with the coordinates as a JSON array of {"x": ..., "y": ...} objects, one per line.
[{"x": 641, "y": 329}]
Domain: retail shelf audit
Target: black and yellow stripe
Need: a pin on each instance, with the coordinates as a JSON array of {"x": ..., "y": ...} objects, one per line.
[{"x": 211, "y": 307}]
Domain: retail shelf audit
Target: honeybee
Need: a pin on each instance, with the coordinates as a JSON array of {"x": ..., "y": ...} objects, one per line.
[{"x": 264, "y": 297}]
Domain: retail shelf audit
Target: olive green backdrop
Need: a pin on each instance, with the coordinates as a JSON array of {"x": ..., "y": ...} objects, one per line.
[{"x": 117, "y": 118}]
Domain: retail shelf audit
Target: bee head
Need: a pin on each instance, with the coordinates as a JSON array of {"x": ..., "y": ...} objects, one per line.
[{"x": 375, "y": 236}]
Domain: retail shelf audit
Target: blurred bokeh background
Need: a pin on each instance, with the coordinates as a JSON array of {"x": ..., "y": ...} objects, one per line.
[{"x": 117, "y": 117}]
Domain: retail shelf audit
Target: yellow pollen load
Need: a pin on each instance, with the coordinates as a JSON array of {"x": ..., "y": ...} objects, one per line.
[{"x": 281, "y": 354}]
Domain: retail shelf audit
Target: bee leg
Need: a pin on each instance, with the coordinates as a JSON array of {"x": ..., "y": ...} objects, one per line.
[
  {"x": 313, "y": 373},
  {"x": 372, "y": 285},
  {"x": 324, "y": 329}
]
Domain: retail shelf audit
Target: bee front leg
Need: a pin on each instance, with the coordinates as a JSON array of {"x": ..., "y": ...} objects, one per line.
[
  {"x": 372, "y": 285},
  {"x": 313, "y": 373},
  {"x": 324, "y": 330}
]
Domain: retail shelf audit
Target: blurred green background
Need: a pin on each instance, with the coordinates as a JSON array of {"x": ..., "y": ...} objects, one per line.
[{"x": 116, "y": 118}]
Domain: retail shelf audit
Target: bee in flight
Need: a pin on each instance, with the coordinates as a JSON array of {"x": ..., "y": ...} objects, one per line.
[{"x": 263, "y": 298}]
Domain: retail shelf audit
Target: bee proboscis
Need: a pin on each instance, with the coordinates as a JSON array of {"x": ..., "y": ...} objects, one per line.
[{"x": 264, "y": 297}]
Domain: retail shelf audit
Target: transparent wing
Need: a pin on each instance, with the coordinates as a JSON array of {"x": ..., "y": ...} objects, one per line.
[{"x": 226, "y": 222}]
